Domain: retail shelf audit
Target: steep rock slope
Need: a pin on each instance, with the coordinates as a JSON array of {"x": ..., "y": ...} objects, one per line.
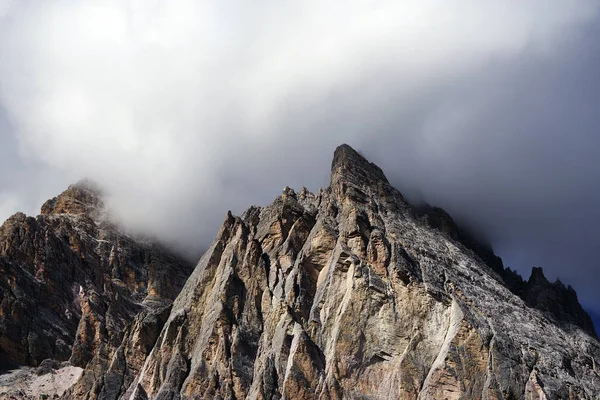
[
  {"x": 349, "y": 294},
  {"x": 73, "y": 284},
  {"x": 558, "y": 301}
]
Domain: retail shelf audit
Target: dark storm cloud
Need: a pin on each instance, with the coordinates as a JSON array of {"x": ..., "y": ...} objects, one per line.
[
  {"x": 523, "y": 168},
  {"x": 184, "y": 110}
]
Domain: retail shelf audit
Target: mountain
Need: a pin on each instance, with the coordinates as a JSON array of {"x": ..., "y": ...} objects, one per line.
[
  {"x": 556, "y": 299},
  {"x": 347, "y": 293},
  {"x": 73, "y": 283}
]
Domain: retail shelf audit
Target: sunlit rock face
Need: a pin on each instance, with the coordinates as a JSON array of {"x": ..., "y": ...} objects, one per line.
[
  {"x": 74, "y": 286},
  {"x": 350, "y": 293}
]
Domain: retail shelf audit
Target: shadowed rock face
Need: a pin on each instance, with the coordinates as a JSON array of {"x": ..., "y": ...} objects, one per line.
[
  {"x": 73, "y": 284},
  {"x": 349, "y": 294},
  {"x": 558, "y": 300}
]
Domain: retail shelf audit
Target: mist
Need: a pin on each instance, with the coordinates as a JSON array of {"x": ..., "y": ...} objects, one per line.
[{"x": 183, "y": 110}]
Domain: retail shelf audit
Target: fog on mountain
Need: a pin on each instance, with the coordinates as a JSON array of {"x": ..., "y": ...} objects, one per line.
[{"x": 468, "y": 269}]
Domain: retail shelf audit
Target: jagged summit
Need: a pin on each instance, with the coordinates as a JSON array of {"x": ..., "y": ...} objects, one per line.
[
  {"x": 556, "y": 299},
  {"x": 83, "y": 197},
  {"x": 538, "y": 277},
  {"x": 353, "y": 175},
  {"x": 349, "y": 165},
  {"x": 72, "y": 284}
]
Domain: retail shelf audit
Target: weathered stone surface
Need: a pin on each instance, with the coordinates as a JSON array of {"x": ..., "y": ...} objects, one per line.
[
  {"x": 559, "y": 302},
  {"x": 349, "y": 294},
  {"x": 48, "y": 382}
]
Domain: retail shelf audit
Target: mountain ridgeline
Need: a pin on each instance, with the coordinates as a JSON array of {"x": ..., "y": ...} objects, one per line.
[
  {"x": 556, "y": 299},
  {"x": 348, "y": 293},
  {"x": 73, "y": 283}
]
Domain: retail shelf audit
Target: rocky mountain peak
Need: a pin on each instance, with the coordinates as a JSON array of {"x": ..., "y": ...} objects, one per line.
[
  {"x": 72, "y": 283},
  {"x": 349, "y": 166},
  {"x": 556, "y": 300},
  {"x": 537, "y": 277},
  {"x": 83, "y": 197}
]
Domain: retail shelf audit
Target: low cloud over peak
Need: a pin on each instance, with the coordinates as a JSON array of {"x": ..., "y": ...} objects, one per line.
[{"x": 182, "y": 110}]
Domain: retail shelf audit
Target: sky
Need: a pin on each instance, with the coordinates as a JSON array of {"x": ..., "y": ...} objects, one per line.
[{"x": 182, "y": 110}]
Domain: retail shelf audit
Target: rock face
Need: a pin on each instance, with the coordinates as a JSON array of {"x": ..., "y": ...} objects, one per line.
[
  {"x": 558, "y": 301},
  {"x": 73, "y": 284},
  {"x": 350, "y": 293}
]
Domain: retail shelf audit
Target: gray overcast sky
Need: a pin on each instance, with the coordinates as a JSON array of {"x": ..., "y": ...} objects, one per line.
[{"x": 185, "y": 109}]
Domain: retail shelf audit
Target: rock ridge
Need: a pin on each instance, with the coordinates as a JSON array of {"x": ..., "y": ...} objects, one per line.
[
  {"x": 559, "y": 302},
  {"x": 84, "y": 197},
  {"x": 347, "y": 293}
]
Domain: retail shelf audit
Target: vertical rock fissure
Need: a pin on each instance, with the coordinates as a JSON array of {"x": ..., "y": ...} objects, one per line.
[
  {"x": 490, "y": 363},
  {"x": 456, "y": 317}
]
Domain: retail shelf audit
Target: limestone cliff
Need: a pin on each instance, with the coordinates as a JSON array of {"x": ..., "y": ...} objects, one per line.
[
  {"x": 73, "y": 283},
  {"x": 349, "y": 294}
]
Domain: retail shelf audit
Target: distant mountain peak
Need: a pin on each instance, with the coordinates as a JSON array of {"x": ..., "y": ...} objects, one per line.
[
  {"x": 557, "y": 300},
  {"x": 83, "y": 197},
  {"x": 538, "y": 276},
  {"x": 72, "y": 284}
]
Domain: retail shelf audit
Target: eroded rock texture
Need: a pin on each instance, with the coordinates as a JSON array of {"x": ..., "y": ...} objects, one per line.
[
  {"x": 74, "y": 287},
  {"x": 348, "y": 293},
  {"x": 558, "y": 301}
]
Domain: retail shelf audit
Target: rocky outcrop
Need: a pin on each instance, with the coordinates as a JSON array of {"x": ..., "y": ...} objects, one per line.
[
  {"x": 557, "y": 301},
  {"x": 73, "y": 284},
  {"x": 51, "y": 380},
  {"x": 348, "y": 294}
]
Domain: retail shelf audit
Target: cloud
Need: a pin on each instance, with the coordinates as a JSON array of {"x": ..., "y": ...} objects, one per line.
[{"x": 185, "y": 109}]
